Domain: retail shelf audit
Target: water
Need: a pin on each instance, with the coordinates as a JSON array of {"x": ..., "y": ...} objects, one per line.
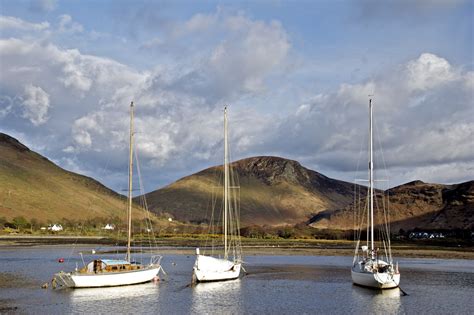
[{"x": 273, "y": 285}]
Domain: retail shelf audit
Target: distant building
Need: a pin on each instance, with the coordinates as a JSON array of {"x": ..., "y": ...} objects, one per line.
[
  {"x": 426, "y": 235},
  {"x": 109, "y": 227},
  {"x": 55, "y": 227}
]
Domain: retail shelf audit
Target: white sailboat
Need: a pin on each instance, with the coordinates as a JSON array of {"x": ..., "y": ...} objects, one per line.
[
  {"x": 209, "y": 268},
  {"x": 369, "y": 269},
  {"x": 114, "y": 272}
]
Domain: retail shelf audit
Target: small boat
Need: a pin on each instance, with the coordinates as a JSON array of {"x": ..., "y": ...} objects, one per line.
[
  {"x": 113, "y": 272},
  {"x": 209, "y": 268},
  {"x": 368, "y": 268}
]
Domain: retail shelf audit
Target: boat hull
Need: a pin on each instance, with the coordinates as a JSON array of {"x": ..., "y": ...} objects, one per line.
[
  {"x": 111, "y": 279},
  {"x": 208, "y": 269},
  {"x": 376, "y": 280}
]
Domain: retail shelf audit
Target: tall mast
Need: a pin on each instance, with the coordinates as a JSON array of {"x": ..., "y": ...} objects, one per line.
[
  {"x": 371, "y": 179},
  {"x": 130, "y": 174},
  {"x": 226, "y": 182}
]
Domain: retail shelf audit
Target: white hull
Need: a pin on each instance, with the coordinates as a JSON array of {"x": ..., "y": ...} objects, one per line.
[
  {"x": 107, "y": 279},
  {"x": 213, "y": 269},
  {"x": 377, "y": 280}
]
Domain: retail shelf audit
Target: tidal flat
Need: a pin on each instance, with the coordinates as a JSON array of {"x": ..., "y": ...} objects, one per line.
[
  {"x": 276, "y": 282},
  {"x": 182, "y": 245}
]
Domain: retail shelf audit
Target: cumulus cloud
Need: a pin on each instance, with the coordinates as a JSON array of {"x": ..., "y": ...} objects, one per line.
[
  {"x": 243, "y": 53},
  {"x": 245, "y": 62},
  {"x": 13, "y": 23},
  {"x": 423, "y": 115},
  {"x": 35, "y": 104},
  {"x": 423, "y": 107},
  {"x": 429, "y": 71}
]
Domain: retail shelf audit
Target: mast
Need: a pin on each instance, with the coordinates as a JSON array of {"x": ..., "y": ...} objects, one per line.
[
  {"x": 226, "y": 182},
  {"x": 130, "y": 174},
  {"x": 371, "y": 179}
]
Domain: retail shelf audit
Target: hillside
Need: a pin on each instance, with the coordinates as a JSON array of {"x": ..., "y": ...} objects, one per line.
[
  {"x": 35, "y": 188},
  {"x": 274, "y": 191},
  {"x": 416, "y": 204}
]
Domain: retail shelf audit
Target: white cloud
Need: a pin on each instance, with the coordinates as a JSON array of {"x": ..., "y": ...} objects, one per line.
[
  {"x": 69, "y": 149},
  {"x": 245, "y": 62},
  {"x": 425, "y": 123},
  {"x": 429, "y": 71},
  {"x": 35, "y": 104},
  {"x": 197, "y": 23},
  {"x": 48, "y": 64},
  {"x": 231, "y": 58},
  {"x": 67, "y": 25},
  {"x": 82, "y": 138},
  {"x": 239, "y": 54},
  {"x": 10, "y": 22}
]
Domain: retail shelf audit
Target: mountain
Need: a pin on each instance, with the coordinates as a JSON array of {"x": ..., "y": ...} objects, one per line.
[
  {"x": 416, "y": 204},
  {"x": 35, "y": 188},
  {"x": 273, "y": 191}
]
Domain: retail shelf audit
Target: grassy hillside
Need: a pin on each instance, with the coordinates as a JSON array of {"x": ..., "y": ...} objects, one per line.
[{"x": 33, "y": 187}]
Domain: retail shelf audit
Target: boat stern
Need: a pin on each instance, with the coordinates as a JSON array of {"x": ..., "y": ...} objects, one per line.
[{"x": 63, "y": 280}]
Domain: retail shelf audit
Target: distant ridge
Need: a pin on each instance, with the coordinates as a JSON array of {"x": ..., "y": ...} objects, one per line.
[{"x": 417, "y": 205}]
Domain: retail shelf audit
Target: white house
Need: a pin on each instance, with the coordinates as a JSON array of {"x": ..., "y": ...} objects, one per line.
[
  {"x": 55, "y": 227},
  {"x": 109, "y": 227}
]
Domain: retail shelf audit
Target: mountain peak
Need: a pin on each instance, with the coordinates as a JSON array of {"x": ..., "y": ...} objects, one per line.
[
  {"x": 415, "y": 183},
  {"x": 273, "y": 169},
  {"x": 7, "y": 140}
]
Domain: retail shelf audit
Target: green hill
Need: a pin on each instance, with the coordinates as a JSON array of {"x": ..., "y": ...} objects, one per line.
[
  {"x": 33, "y": 187},
  {"x": 273, "y": 191}
]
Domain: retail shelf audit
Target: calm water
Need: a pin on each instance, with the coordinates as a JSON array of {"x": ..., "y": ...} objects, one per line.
[{"x": 273, "y": 285}]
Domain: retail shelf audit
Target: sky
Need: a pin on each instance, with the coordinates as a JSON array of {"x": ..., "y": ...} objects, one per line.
[{"x": 295, "y": 75}]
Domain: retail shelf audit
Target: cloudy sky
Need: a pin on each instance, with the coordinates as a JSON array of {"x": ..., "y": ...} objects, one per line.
[{"x": 296, "y": 76}]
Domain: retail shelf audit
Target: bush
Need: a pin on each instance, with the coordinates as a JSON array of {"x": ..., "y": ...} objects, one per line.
[{"x": 21, "y": 223}]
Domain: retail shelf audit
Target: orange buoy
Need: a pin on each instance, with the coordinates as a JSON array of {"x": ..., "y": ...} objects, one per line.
[{"x": 60, "y": 260}]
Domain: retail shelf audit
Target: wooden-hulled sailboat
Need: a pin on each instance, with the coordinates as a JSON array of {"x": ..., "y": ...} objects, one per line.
[
  {"x": 209, "y": 268},
  {"x": 114, "y": 272},
  {"x": 369, "y": 269}
]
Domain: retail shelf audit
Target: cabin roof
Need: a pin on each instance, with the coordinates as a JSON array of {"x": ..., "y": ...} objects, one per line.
[{"x": 115, "y": 262}]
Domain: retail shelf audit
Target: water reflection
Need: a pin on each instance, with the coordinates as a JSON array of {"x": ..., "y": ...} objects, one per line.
[
  {"x": 222, "y": 297},
  {"x": 386, "y": 301},
  {"x": 110, "y": 293}
]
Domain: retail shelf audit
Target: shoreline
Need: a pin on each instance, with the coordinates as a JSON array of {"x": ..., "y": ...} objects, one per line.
[{"x": 251, "y": 247}]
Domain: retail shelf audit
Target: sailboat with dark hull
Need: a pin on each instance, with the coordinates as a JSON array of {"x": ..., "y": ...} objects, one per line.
[
  {"x": 368, "y": 268},
  {"x": 114, "y": 272}
]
